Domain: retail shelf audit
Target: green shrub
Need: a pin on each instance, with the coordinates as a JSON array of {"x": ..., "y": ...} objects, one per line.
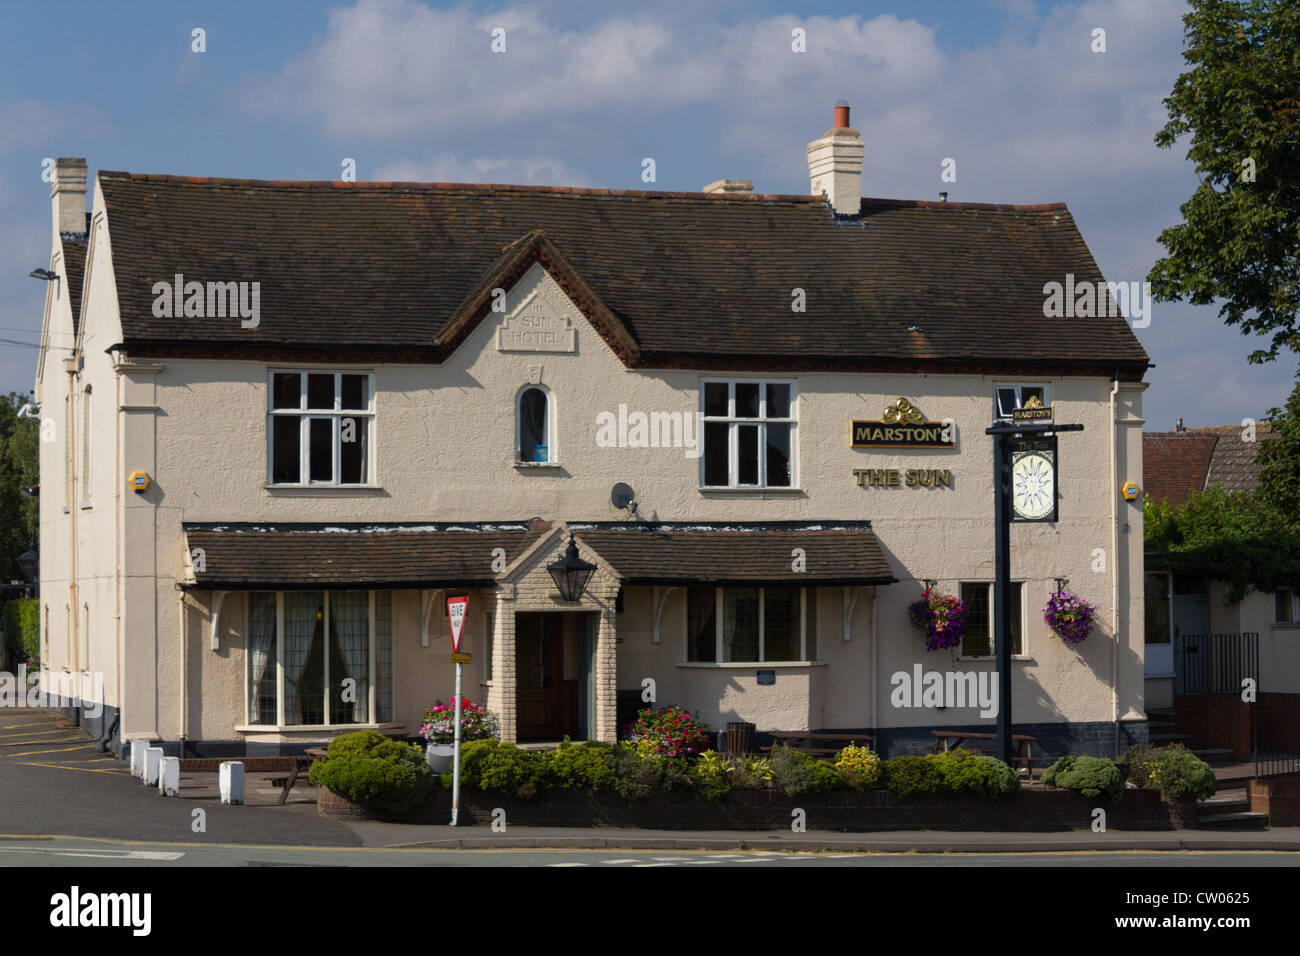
[
  {"x": 472, "y": 756},
  {"x": 711, "y": 775},
  {"x": 585, "y": 766},
  {"x": 21, "y": 620},
  {"x": 1091, "y": 776},
  {"x": 1181, "y": 775},
  {"x": 749, "y": 772},
  {"x": 911, "y": 776},
  {"x": 961, "y": 772},
  {"x": 1004, "y": 779},
  {"x": 795, "y": 772},
  {"x": 862, "y": 767},
  {"x": 510, "y": 770},
  {"x": 639, "y": 770},
  {"x": 371, "y": 768}
]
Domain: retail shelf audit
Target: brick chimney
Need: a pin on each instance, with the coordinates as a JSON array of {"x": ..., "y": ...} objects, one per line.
[
  {"x": 835, "y": 165},
  {"x": 68, "y": 195}
]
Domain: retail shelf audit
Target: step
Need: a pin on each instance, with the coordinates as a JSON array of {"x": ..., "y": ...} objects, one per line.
[
  {"x": 1214, "y": 754},
  {"x": 1170, "y": 735},
  {"x": 1224, "y": 803},
  {"x": 1161, "y": 712},
  {"x": 1160, "y": 723},
  {"x": 1233, "y": 821}
]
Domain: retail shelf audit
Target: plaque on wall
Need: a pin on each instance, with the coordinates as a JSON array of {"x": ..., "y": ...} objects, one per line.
[
  {"x": 535, "y": 327},
  {"x": 766, "y": 677}
]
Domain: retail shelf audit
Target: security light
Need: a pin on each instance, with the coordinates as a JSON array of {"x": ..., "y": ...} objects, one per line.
[{"x": 45, "y": 274}]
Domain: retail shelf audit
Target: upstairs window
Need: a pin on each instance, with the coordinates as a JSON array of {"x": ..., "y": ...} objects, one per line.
[
  {"x": 321, "y": 428},
  {"x": 749, "y": 434},
  {"x": 535, "y": 445},
  {"x": 1007, "y": 398}
]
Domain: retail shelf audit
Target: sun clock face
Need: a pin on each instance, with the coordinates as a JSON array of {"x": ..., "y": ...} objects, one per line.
[{"x": 1033, "y": 485}]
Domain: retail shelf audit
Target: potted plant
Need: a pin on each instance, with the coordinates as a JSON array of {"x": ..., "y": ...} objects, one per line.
[
  {"x": 439, "y": 729},
  {"x": 1070, "y": 616},
  {"x": 941, "y": 617}
]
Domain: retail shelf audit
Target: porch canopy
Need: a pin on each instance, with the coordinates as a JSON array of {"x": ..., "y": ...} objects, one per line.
[
  {"x": 242, "y": 556},
  {"x": 774, "y": 553}
]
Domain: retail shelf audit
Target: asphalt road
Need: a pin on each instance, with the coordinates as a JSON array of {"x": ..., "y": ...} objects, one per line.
[{"x": 71, "y": 851}]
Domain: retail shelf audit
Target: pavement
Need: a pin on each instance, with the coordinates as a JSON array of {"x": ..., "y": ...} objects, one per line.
[{"x": 56, "y": 782}]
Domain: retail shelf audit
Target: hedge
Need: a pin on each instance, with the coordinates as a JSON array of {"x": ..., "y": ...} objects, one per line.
[{"x": 21, "y": 620}]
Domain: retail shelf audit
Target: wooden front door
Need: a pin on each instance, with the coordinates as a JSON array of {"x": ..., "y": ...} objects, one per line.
[{"x": 539, "y": 669}]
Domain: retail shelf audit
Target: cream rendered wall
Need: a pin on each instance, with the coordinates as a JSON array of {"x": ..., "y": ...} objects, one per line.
[
  {"x": 445, "y": 450},
  {"x": 1279, "y": 644}
]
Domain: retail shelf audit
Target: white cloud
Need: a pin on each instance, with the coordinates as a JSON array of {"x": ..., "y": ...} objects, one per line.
[
  {"x": 27, "y": 122},
  {"x": 446, "y": 168}
]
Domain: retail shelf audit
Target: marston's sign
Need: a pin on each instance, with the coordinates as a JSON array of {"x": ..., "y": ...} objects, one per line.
[{"x": 902, "y": 426}]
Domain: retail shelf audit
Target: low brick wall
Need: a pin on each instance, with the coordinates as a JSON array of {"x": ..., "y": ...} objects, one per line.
[
  {"x": 845, "y": 811},
  {"x": 1279, "y": 797}
]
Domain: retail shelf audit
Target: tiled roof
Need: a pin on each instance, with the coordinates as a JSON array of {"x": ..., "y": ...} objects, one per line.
[
  {"x": 74, "y": 264},
  {"x": 670, "y": 279},
  {"x": 247, "y": 556},
  {"x": 1174, "y": 464},
  {"x": 835, "y": 552}
]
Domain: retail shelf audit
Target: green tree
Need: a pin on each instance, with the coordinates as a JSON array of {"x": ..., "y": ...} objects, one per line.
[
  {"x": 1239, "y": 240},
  {"x": 19, "y": 465},
  {"x": 1279, "y": 460}
]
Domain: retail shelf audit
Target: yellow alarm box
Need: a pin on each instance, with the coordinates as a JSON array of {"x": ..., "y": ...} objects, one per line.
[
  {"x": 1130, "y": 491},
  {"x": 139, "y": 482}
]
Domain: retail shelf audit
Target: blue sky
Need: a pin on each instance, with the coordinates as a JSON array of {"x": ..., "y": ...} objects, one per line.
[{"x": 1008, "y": 88}]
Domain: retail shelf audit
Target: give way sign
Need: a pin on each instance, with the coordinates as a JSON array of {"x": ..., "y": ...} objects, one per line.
[{"x": 456, "y": 608}]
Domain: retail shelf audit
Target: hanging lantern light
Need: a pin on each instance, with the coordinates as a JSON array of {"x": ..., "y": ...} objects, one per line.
[{"x": 571, "y": 573}]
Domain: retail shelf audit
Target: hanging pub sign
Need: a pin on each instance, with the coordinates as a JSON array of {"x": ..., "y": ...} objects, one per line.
[
  {"x": 1033, "y": 478},
  {"x": 902, "y": 426}
]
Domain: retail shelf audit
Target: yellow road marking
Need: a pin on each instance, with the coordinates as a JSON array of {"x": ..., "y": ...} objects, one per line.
[
  {"x": 60, "y": 766},
  {"x": 33, "y": 753}
]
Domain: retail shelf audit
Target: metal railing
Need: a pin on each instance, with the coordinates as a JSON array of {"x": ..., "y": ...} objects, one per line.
[
  {"x": 1214, "y": 663},
  {"x": 1275, "y": 741}
]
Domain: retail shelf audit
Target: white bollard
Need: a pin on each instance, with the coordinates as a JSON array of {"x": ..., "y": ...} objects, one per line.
[
  {"x": 169, "y": 779},
  {"x": 138, "y": 748},
  {"x": 231, "y": 780},
  {"x": 152, "y": 764}
]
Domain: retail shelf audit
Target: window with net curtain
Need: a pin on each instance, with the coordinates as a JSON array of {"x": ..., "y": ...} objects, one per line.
[{"x": 321, "y": 644}]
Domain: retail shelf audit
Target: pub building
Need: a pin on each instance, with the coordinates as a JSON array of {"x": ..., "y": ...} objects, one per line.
[{"x": 759, "y": 421}]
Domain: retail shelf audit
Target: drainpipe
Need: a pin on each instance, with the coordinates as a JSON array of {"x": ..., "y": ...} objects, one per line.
[
  {"x": 1114, "y": 562},
  {"x": 117, "y": 559},
  {"x": 70, "y": 459},
  {"x": 875, "y": 668},
  {"x": 183, "y": 724}
]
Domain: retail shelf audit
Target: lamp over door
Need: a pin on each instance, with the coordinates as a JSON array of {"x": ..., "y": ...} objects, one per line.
[{"x": 571, "y": 573}]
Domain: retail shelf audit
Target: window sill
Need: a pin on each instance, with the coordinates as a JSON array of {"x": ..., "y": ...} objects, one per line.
[
  {"x": 325, "y": 490},
  {"x": 1286, "y": 625},
  {"x": 309, "y": 728},
  {"x": 992, "y": 659},
  {"x": 538, "y": 464},
  {"x": 86, "y": 505},
  {"x": 750, "y": 490},
  {"x": 748, "y": 665},
  {"x": 67, "y": 510}
]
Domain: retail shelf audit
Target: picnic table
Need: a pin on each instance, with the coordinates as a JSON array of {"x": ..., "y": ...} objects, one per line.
[
  {"x": 304, "y": 760},
  {"x": 1023, "y": 753},
  {"x": 815, "y": 743}
]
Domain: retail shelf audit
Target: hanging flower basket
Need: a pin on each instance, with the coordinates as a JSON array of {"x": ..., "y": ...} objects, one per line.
[
  {"x": 1070, "y": 616},
  {"x": 941, "y": 617}
]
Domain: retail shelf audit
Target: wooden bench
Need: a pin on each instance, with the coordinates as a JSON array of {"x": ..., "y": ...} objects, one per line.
[
  {"x": 304, "y": 760},
  {"x": 1023, "y": 757},
  {"x": 815, "y": 744}
]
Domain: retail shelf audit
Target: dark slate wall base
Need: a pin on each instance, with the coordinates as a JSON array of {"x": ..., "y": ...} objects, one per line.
[{"x": 1095, "y": 738}]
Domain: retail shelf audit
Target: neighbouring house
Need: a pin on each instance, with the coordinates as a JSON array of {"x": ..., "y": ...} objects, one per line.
[
  {"x": 1199, "y": 645},
  {"x": 291, "y": 418}
]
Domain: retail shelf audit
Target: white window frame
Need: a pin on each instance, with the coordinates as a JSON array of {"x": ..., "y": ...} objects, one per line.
[
  {"x": 1024, "y": 621},
  {"x": 372, "y": 690},
  {"x": 552, "y": 453},
  {"x": 306, "y": 415},
  {"x": 734, "y": 422},
  {"x": 1019, "y": 388},
  {"x": 805, "y": 602}
]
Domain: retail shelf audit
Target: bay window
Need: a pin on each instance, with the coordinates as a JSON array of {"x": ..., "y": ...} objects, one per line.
[
  {"x": 742, "y": 625},
  {"x": 320, "y": 658}
]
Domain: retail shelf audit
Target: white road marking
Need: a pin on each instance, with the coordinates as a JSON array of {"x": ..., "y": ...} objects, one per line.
[
  {"x": 96, "y": 853},
  {"x": 619, "y": 861},
  {"x": 570, "y": 864}
]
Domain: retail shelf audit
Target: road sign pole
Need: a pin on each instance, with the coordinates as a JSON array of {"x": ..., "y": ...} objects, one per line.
[
  {"x": 1002, "y": 590},
  {"x": 455, "y": 760}
]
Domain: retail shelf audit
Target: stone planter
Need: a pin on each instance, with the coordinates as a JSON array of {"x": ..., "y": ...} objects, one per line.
[
  {"x": 338, "y": 806},
  {"x": 1182, "y": 813},
  {"x": 440, "y": 757}
]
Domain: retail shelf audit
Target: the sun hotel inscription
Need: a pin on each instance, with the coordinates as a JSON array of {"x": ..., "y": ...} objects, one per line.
[{"x": 535, "y": 329}]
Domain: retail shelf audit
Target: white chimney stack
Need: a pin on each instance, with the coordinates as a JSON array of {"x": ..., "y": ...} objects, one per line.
[
  {"x": 835, "y": 165},
  {"x": 68, "y": 195}
]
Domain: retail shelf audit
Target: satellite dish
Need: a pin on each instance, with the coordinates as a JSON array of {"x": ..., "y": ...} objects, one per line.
[{"x": 622, "y": 495}]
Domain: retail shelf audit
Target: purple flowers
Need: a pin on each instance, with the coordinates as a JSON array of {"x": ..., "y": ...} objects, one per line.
[
  {"x": 1069, "y": 616},
  {"x": 942, "y": 617}
]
